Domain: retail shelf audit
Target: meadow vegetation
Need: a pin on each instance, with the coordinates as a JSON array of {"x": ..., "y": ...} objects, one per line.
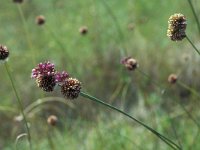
[{"x": 116, "y": 29}]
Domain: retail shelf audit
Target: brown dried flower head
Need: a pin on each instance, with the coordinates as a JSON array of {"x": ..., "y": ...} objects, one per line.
[
  {"x": 40, "y": 20},
  {"x": 4, "y": 52},
  {"x": 46, "y": 82},
  {"x": 83, "y": 30},
  {"x": 71, "y": 88},
  {"x": 18, "y": 1},
  {"x": 172, "y": 78},
  {"x": 52, "y": 120},
  {"x": 176, "y": 27},
  {"x": 130, "y": 63}
]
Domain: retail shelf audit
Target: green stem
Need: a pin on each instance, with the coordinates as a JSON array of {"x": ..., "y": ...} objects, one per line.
[
  {"x": 195, "y": 15},
  {"x": 56, "y": 39},
  {"x": 26, "y": 32},
  {"x": 19, "y": 103},
  {"x": 163, "y": 138},
  {"x": 123, "y": 50},
  {"x": 195, "y": 48}
]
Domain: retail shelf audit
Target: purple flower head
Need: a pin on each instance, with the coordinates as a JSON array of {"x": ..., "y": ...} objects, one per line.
[
  {"x": 61, "y": 76},
  {"x": 43, "y": 69}
]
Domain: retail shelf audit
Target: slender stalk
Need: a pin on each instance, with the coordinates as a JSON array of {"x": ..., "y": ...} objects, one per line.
[
  {"x": 19, "y": 103},
  {"x": 195, "y": 14},
  {"x": 56, "y": 39},
  {"x": 195, "y": 48},
  {"x": 163, "y": 138},
  {"x": 27, "y": 33},
  {"x": 123, "y": 50},
  {"x": 153, "y": 81}
]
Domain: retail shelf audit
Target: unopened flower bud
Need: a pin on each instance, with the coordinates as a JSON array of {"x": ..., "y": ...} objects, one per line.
[
  {"x": 130, "y": 63},
  {"x": 172, "y": 78},
  {"x": 4, "y": 53},
  {"x": 40, "y": 20},
  {"x": 52, "y": 120}
]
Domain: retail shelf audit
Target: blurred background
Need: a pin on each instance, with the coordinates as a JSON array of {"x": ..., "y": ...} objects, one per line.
[{"x": 137, "y": 27}]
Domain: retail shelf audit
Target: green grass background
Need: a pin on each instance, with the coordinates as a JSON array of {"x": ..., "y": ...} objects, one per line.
[{"x": 95, "y": 60}]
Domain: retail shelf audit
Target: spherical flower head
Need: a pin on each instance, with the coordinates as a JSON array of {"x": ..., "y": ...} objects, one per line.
[
  {"x": 18, "y": 1},
  {"x": 172, "y": 78},
  {"x": 71, "y": 88},
  {"x": 46, "y": 82},
  {"x": 176, "y": 27},
  {"x": 52, "y": 120},
  {"x": 4, "y": 52},
  {"x": 43, "y": 69},
  {"x": 83, "y": 30},
  {"x": 130, "y": 63},
  {"x": 40, "y": 20},
  {"x": 61, "y": 76}
]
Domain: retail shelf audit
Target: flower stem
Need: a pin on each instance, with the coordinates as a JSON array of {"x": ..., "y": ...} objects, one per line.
[
  {"x": 193, "y": 45},
  {"x": 163, "y": 138},
  {"x": 26, "y": 32},
  {"x": 123, "y": 50},
  {"x": 195, "y": 15},
  {"x": 19, "y": 103}
]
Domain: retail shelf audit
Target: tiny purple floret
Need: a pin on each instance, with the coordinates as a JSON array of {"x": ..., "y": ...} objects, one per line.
[
  {"x": 43, "y": 69},
  {"x": 61, "y": 76}
]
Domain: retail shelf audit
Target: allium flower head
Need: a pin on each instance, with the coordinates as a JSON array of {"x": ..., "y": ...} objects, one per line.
[
  {"x": 71, "y": 88},
  {"x": 176, "y": 27},
  {"x": 52, "y": 120},
  {"x": 172, "y": 78},
  {"x": 61, "y": 76},
  {"x": 130, "y": 63},
  {"x": 46, "y": 82},
  {"x": 83, "y": 30},
  {"x": 4, "y": 53},
  {"x": 43, "y": 69},
  {"x": 40, "y": 20}
]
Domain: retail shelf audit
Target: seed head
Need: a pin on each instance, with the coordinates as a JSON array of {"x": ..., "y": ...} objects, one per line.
[
  {"x": 61, "y": 76},
  {"x": 52, "y": 120},
  {"x": 71, "y": 88},
  {"x": 4, "y": 53},
  {"x": 172, "y": 78},
  {"x": 176, "y": 27},
  {"x": 43, "y": 69},
  {"x": 46, "y": 82},
  {"x": 130, "y": 63},
  {"x": 40, "y": 20},
  {"x": 18, "y": 1},
  {"x": 83, "y": 30}
]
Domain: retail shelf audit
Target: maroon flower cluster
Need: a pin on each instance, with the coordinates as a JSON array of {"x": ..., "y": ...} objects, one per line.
[{"x": 47, "y": 78}]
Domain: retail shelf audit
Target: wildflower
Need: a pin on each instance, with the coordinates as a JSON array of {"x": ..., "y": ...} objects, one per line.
[
  {"x": 18, "y": 1},
  {"x": 52, "y": 120},
  {"x": 46, "y": 82},
  {"x": 172, "y": 78},
  {"x": 61, "y": 77},
  {"x": 43, "y": 69},
  {"x": 176, "y": 27},
  {"x": 4, "y": 53},
  {"x": 130, "y": 63},
  {"x": 40, "y": 20},
  {"x": 71, "y": 88},
  {"x": 83, "y": 30}
]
